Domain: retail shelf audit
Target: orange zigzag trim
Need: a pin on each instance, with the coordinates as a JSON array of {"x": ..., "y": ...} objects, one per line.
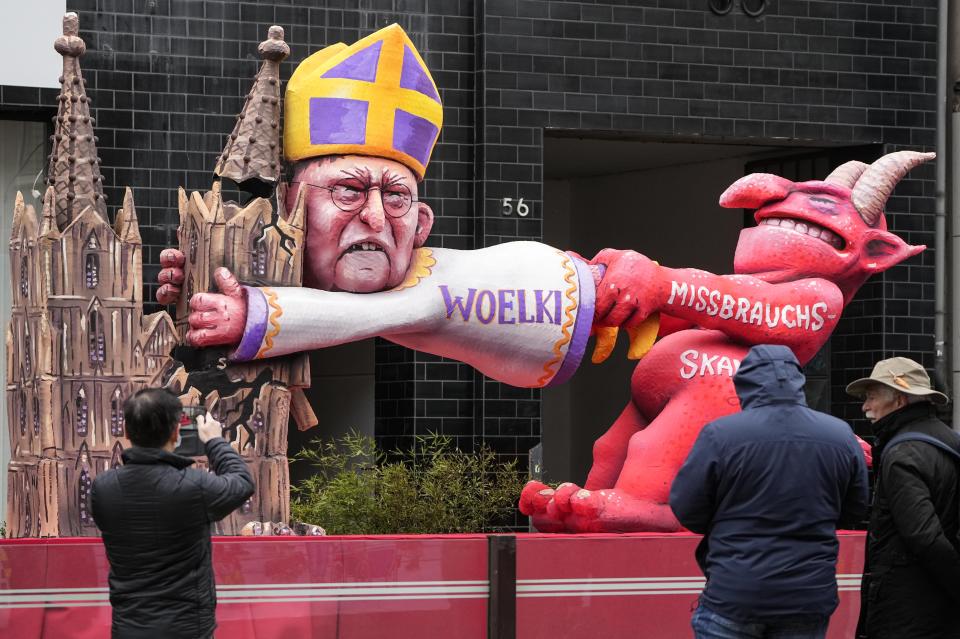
[
  {"x": 571, "y": 279},
  {"x": 274, "y": 323},
  {"x": 421, "y": 267}
]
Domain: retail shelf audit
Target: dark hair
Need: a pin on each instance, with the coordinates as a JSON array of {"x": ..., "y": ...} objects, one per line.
[{"x": 151, "y": 415}]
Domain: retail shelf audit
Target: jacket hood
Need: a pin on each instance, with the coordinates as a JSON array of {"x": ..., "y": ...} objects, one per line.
[{"x": 769, "y": 374}]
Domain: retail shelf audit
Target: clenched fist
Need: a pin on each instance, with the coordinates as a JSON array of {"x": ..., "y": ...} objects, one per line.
[
  {"x": 218, "y": 319},
  {"x": 629, "y": 290},
  {"x": 171, "y": 276}
]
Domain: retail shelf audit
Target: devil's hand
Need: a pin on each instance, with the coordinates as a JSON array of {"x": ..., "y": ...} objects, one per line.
[
  {"x": 218, "y": 319},
  {"x": 629, "y": 289}
]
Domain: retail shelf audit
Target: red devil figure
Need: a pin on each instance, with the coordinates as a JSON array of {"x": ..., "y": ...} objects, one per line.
[{"x": 815, "y": 244}]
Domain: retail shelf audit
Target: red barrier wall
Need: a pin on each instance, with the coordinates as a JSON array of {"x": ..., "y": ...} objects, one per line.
[{"x": 638, "y": 585}]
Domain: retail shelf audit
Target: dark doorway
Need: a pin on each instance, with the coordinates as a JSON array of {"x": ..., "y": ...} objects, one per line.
[{"x": 658, "y": 198}]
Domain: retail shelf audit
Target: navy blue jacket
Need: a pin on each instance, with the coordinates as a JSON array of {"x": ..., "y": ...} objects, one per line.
[{"x": 768, "y": 487}]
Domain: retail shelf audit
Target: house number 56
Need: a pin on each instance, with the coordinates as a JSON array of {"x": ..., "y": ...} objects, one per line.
[{"x": 523, "y": 210}]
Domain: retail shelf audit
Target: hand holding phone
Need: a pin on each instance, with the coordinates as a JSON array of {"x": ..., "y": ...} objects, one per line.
[{"x": 208, "y": 428}]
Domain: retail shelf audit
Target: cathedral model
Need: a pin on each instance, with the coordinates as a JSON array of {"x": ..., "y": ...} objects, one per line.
[
  {"x": 78, "y": 343},
  {"x": 262, "y": 246}
]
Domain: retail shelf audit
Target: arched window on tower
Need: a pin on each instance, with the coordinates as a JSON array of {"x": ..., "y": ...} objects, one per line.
[
  {"x": 84, "y": 484},
  {"x": 22, "y": 412},
  {"x": 83, "y": 413},
  {"x": 24, "y": 277},
  {"x": 116, "y": 460},
  {"x": 27, "y": 359},
  {"x": 116, "y": 414},
  {"x": 92, "y": 270},
  {"x": 258, "y": 250},
  {"x": 96, "y": 345},
  {"x": 194, "y": 241},
  {"x": 36, "y": 415},
  {"x": 256, "y": 422}
]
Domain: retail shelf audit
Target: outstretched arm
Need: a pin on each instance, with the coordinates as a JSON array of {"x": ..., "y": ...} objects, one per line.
[
  {"x": 286, "y": 320},
  {"x": 271, "y": 321},
  {"x": 800, "y": 314}
]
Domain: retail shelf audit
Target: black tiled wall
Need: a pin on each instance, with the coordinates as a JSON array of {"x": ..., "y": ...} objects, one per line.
[{"x": 168, "y": 76}]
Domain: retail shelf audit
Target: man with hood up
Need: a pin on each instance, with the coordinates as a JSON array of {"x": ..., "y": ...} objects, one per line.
[{"x": 768, "y": 487}]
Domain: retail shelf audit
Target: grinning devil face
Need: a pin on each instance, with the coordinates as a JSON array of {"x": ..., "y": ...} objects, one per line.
[{"x": 810, "y": 230}]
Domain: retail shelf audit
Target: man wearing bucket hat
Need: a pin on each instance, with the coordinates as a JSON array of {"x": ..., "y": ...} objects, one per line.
[{"x": 911, "y": 578}]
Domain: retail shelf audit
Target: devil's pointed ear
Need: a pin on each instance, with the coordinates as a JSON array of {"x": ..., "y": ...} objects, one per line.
[
  {"x": 754, "y": 190},
  {"x": 882, "y": 250}
]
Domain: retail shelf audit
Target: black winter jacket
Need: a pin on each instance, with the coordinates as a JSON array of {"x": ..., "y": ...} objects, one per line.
[
  {"x": 912, "y": 578},
  {"x": 768, "y": 487},
  {"x": 155, "y": 513}
]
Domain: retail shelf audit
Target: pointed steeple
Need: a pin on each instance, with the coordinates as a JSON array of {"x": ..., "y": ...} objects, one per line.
[
  {"x": 18, "y": 207},
  {"x": 74, "y": 169},
  {"x": 251, "y": 157},
  {"x": 126, "y": 226},
  {"x": 48, "y": 224}
]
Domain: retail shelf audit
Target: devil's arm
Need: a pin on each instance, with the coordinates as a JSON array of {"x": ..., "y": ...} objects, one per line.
[{"x": 800, "y": 314}]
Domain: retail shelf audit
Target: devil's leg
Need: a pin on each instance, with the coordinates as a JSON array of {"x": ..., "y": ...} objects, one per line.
[
  {"x": 640, "y": 499},
  {"x": 610, "y": 450},
  {"x": 550, "y": 509}
]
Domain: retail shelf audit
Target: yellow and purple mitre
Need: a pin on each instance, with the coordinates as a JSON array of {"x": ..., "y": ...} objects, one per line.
[{"x": 375, "y": 97}]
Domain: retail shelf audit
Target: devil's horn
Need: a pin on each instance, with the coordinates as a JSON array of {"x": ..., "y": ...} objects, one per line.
[
  {"x": 847, "y": 173},
  {"x": 871, "y": 191}
]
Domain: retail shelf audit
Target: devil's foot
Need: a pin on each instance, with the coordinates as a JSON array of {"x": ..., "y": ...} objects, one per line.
[
  {"x": 570, "y": 508},
  {"x": 550, "y": 509},
  {"x": 613, "y": 510},
  {"x": 537, "y": 501}
]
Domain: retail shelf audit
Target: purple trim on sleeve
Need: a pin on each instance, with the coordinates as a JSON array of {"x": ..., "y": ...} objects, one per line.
[
  {"x": 582, "y": 325},
  {"x": 256, "y": 326}
]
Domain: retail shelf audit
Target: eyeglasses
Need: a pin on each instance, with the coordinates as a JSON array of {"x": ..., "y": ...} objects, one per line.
[{"x": 396, "y": 198}]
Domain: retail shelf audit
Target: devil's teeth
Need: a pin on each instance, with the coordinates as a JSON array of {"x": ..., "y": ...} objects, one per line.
[{"x": 807, "y": 228}]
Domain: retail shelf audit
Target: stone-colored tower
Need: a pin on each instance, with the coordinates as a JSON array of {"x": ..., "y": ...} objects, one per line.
[
  {"x": 261, "y": 245},
  {"x": 78, "y": 343}
]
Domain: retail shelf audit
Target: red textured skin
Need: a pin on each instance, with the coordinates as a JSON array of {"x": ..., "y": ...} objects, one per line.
[{"x": 636, "y": 460}]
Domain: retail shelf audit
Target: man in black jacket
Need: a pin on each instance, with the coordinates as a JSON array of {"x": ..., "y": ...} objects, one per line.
[
  {"x": 155, "y": 513},
  {"x": 911, "y": 581},
  {"x": 768, "y": 487}
]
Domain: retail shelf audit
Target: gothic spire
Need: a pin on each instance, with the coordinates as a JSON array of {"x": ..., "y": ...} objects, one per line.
[
  {"x": 48, "y": 223},
  {"x": 74, "y": 169},
  {"x": 126, "y": 225},
  {"x": 251, "y": 157}
]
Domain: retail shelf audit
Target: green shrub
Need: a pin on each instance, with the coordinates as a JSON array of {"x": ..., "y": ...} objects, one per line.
[
  {"x": 3, "y": 530},
  {"x": 432, "y": 487}
]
